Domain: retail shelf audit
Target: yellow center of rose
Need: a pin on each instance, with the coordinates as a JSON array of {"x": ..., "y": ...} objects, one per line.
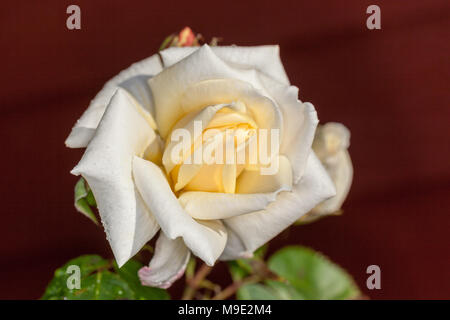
[{"x": 224, "y": 139}]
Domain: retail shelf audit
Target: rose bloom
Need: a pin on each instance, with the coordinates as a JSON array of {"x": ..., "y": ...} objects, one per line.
[
  {"x": 215, "y": 211},
  {"x": 331, "y": 144}
]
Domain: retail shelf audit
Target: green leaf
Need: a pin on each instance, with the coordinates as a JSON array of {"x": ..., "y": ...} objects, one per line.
[
  {"x": 236, "y": 271},
  {"x": 260, "y": 253},
  {"x": 103, "y": 285},
  {"x": 84, "y": 200},
  {"x": 100, "y": 281},
  {"x": 313, "y": 275},
  {"x": 284, "y": 291},
  {"x": 241, "y": 268},
  {"x": 57, "y": 288},
  {"x": 129, "y": 273},
  {"x": 270, "y": 290},
  {"x": 255, "y": 291}
]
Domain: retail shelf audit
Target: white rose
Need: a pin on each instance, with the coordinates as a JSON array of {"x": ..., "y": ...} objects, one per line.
[{"x": 214, "y": 211}]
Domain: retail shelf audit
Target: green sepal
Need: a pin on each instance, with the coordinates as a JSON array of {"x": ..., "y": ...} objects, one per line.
[{"x": 84, "y": 200}]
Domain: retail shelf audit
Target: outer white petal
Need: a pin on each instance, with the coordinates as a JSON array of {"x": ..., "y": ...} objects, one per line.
[
  {"x": 168, "y": 263},
  {"x": 235, "y": 248},
  {"x": 255, "y": 229},
  {"x": 169, "y": 86},
  {"x": 79, "y": 137},
  {"x": 133, "y": 79},
  {"x": 206, "y": 239},
  {"x": 299, "y": 124},
  {"x": 107, "y": 166},
  {"x": 265, "y": 59}
]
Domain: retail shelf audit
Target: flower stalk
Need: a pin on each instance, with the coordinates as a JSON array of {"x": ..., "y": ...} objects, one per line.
[
  {"x": 192, "y": 285},
  {"x": 234, "y": 287}
]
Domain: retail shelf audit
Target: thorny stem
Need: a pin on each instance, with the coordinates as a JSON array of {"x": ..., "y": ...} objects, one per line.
[{"x": 194, "y": 283}]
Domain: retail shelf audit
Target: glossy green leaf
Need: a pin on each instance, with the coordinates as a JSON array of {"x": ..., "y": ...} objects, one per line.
[
  {"x": 103, "y": 285},
  {"x": 313, "y": 275},
  {"x": 129, "y": 273},
  {"x": 100, "y": 279},
  {"x": 57, "y": 288}
]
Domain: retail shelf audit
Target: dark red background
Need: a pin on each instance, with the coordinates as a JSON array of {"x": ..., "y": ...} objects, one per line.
[{"x": 389, "y": 86}]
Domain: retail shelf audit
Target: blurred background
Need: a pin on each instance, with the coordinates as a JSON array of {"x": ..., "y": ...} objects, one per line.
[{"x": 389, "y": 86}]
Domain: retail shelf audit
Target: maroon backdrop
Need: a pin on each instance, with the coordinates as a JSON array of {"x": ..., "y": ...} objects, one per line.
[{"x": 389, "y": 86}]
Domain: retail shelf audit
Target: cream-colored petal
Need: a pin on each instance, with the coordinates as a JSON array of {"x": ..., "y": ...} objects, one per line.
[
  {"x": 202, "y": 118},
  {"x": 206, "y": 239},
  {"x": 229, "y": 173},
  {"x": 138, "y": 88},
  {"x": 257, "y": 105},
  {"x": 216, "y": 205},
  {"x": 250, "y": 105},
  {"x": 265, "y": 59},
  {"x": 133, "y": 79},
  {"x": 169, "y": 85},
  {"x": 146, "y": 225},
  {"x": 168, "y": 263},
  {"x": 217, "y": 167},
  {"x": 79, "y": 137},
  {"x": 222, "y": 119},
  {"x": 255, "y": 192},
  {"x": 208, "y": 178},
  {"x": 107, "y": 167},
  {"x": 190, "y": 139},
  {"x": 253, "y": 181},
  {"x": 185, "y": 174},
  {"x": 255, "y": 229},
  {"x": 299, "y": 124},
  {"x": 154, "y": 151}
]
